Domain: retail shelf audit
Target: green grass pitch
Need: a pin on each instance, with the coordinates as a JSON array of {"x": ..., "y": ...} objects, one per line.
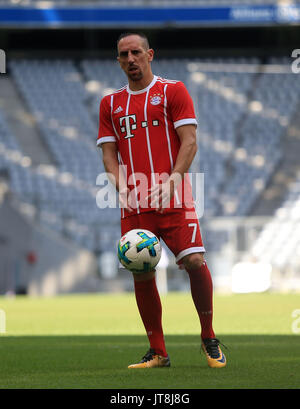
[{"x": 87, "y": 341}]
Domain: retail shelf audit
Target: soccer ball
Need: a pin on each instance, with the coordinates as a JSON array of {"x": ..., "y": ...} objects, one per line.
[{"x": 139, "y": 251}]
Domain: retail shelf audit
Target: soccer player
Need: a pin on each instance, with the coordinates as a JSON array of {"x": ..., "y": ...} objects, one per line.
[{"x": 148, "y": 130}]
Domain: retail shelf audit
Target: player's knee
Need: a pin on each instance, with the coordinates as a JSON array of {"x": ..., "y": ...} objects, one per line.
[{"x": 193, "y": 261}]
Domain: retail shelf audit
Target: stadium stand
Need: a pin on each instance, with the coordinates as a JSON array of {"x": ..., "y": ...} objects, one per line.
[
  {"x": 238, "y": 101},
  {"x": 268, "y": 116},
  {"x": 56, "y": 96},
  {"x": 278, "y": 242}
]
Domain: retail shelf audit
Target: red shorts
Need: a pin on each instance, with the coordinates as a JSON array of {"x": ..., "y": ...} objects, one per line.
[{"x": 179, "y": 231}]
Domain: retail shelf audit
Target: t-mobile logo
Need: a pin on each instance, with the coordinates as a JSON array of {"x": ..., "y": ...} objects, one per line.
[{"x": 130, "y": 124}]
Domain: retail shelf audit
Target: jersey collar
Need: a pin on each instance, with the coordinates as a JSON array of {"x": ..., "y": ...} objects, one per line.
[{"x": 142, "y": 90}]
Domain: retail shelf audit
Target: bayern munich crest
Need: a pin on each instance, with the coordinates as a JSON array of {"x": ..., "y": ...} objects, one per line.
[{"x": 156, "y": 99}]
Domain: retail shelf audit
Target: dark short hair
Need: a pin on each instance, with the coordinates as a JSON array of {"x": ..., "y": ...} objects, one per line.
[{"x": 133, "y": 33}]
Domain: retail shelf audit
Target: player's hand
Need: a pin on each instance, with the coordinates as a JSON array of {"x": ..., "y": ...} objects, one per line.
[
  {"x": 124, "y": 199},
  {"x": 161, "y": 194}
]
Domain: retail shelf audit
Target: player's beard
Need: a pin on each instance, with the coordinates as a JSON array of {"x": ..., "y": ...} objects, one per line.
[{"x": 136, "y": 75}]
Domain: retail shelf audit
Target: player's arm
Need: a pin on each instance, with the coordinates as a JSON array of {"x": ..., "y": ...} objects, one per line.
[
  {"x": 115, "y": 173},
  {"x": 111, "y": 162},
  {"x": 163, "y": 193},
  {"x": 107, "y": 141},
  {"x": 187, "y": 151},
  {"x": 182, "y": 112},
  {"x": 185, "y": 123}
]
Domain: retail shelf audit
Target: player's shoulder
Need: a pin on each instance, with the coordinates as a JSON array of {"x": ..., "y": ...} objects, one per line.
[
  {"x": 172, "y": 82},
  {"x": 173, "y": 86},
  {"x": 107, "y": 97}
]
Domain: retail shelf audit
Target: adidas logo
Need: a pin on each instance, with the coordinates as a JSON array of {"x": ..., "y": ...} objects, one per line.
[{"x": 119, "y": 109}]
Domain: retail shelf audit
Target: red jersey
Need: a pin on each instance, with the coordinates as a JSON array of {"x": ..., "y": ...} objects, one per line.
[{"x": 143, "y": 125}]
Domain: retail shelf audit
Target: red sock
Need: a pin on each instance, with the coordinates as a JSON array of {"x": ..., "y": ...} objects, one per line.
[
  {"x": 149, "y": 305},
  {"x": 202, "y": 294}
]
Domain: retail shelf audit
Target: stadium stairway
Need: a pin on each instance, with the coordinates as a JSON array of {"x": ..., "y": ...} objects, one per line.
[
  {"x": 22, "y": 124},
  {"x": 287, "y": 172}
]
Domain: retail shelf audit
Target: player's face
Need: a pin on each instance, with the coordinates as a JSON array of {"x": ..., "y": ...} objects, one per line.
[{"x": 135, "y": 58}]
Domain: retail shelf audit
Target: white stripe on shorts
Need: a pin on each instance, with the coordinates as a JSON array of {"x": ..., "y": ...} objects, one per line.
[{"x": 190, "y": 250}]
